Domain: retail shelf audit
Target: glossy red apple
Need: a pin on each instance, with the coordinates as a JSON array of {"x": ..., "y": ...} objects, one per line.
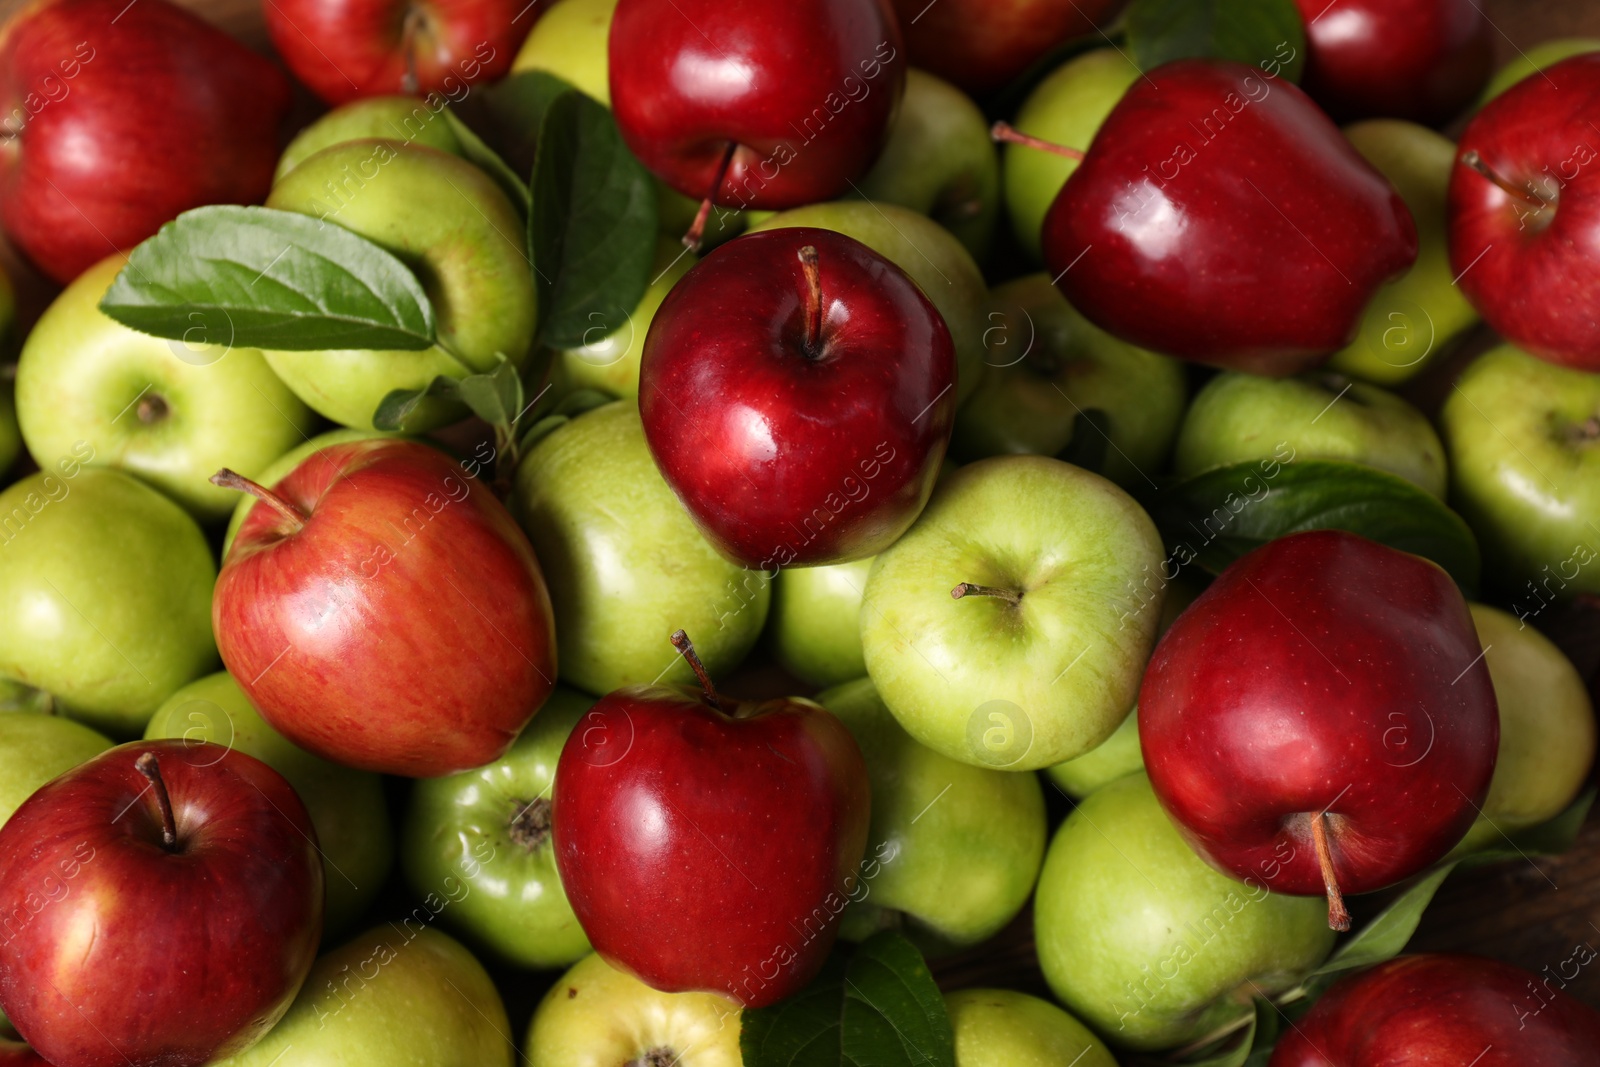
[
  {"x": 347, "y": 49},
  {"x": 708, "y": 844},
  {"x": 1524, "y": 213},
  {"x": 1423, "y": 60},
  {"x": 116, "y": 117},
  {"x": 1446, "y": 1009},
  {"x": 385, "y": 612},
  {"x": 982, "y": 45},
  {"x": 1321, "y": 718},
  {"x": 160, "y": 905},
  {"x": 1219, "y": 216},
  {"x": 798, "y": 393}
]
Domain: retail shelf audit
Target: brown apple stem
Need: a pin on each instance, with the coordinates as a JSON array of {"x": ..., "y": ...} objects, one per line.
[
  {"x": 1338, "y": 917},
  {"x": 148, "y": 766},
  {"x": 685, "y": 647},
  {"x": 972, "y": 589},
  {"x": 813, "y": 271},
  {"x": 227, "y": 479},
  {"x": 1006, "y": 133},
  {"x": 697, "y": 228},
  {"x": 409, "y": 83},
  {"x": 1473, "y": 160}
]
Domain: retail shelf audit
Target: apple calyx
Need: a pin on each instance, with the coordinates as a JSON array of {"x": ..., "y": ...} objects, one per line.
[
  {"x": 530, "y": 826},
  {"x": 813, "y": 271},
  {"x": 1006, "y": 133},
  {"x": 152, "y": 408},
  {"x": 965, "y": 589},
  {"x": 1338, "y": 917},
  {"x": 150, "y": 767},
  {"x": 1473, "y": 161},
  {"x": 697, "y": 228},
  {"x": 228, "y": 479},
  {"x": 685, "y": 647},
  {"x": 660, "y": 1056}
]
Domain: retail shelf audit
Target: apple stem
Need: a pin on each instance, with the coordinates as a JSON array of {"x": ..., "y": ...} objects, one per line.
[
  {"x": 685, "y": 647},
  {"x": 1006, "y": 133},
  {"x": 813, "y": 271},
  {"x": 1474, "y": 161},
  {"x": 409, "y": 83},
  {"x": 1338, "y": 917},
  {"x": 148, "y": 766},
  {"x": 973, "y": 589},
  {"x": 227, "y": 479},
  {"x": 697, "y": 228}
]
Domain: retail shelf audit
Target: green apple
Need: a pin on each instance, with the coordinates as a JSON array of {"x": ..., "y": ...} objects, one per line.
[
  {"x": 171, "y": 412},
  {"x": 491, "y": 828},
  {"x": 1238, "y": 417},
  {"x": 940, "y": 265},
  {"x": 1523, "y": 437},
  {"x": 625, "y": 563},
  {"x": 953, "y": 847},
  {"x": 569, "y": 41},
  {"x": 610, "y": 361},
  {"x": 36, "y": 748},
  {"x": 399, "y": 995},
  {"x": 1145, "y": 941},
  {"x": 1042, "y": 661},
  {"x": 1116, "y": 756},
  {"x": 1001, "y": 1028},
  {"x": 815, "y": 625},
  {"x": 1409, "y": 321},
  {"x": 448, "y": 220},
  {"x": 393, "y": 118},
  {"x": 597, "y": 1016},
  {"x": 347, "y": 807},
  {"x": 940, "y": 161},
  {"x": 1547, "y": 730},
  {"x": 1066, "y": 108},
  {"x": 1536, "y": 58},
  {"x": 275, "y": 471},
  {"x": 105, "y": 593},
  {"x": 1046, "y": 366}
]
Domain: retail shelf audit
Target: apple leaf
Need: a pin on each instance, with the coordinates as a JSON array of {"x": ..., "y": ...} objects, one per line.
[
  {"x": 496, "y": 397},
  {"x": 1268, "y": 34},
  {"x": 517, "y": 105},
  {"x": 254, "y": 277},
  {"x": 475, "y": 151},
  {"x": 1240, "y": 1047},
  {"x": 399, "y": 405}
]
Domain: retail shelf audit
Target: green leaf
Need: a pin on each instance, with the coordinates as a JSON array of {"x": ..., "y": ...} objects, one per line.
[
  {"x": 495, "y": 397},
  {"x": 593, "y": 225},
  {"x": 517, "y": 105},
  {"x": 475, "y": 151},
  {"x": 398, "y": 406},
  {"x": 1236, "y": 1048},
  {"x": 1219, "y": 515},
  {"x": 1267, "y": 34},
  {"x": 253, "y": 277}
]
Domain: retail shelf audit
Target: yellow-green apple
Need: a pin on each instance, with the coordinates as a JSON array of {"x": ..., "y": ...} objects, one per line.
[
  {"x": 609, "y": 358},
  {"x": 36, "y": 748},
  {"x": 390, "y": 118},
  {"x": 1112, "y": 758},
  {"x": 279, "y": 468},
  {"x": 1534, "y": 59},
  {"x": 815, "y": 627},
  {"x": 569, "y": 41},
  {"x": 1002, "y": 1028}
]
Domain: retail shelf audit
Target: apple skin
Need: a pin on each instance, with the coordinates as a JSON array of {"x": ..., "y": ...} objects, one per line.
[
  {"x": 953, "y": 847},
  {"x": 1410, "y": 320},
  {"x": 1001, "y": 1028},
  {"x": 279, "y": 468},
  {"x": 155, "y": 955},
  {"x": 598, "y": 1016},
  {"x": 342, "y": 633},
  {"x": 1423, "y": 60},
  {"x": 104, "y": 574},
  {"x": 815, "y": 627},
  {"x": 490, "y": 828},
  {"x": 391, "y": 118},
  {"x": 348, "y": 49},
  {"x": 625, "y": 562},
  {"x": 1112, "y": 758},
  {"x": 799, "y": 451},
  {"x": 1321, "y": 415},
  {"x": 609, "y": 361},
  {"x": 398, "y": 995},
  {"x": 1535, "y": 59},
  {"x": 159, "y": 112},
  {"x": 346, "y": 807},
  {"x": 982, "y": 46},
  {"x": 1122, "y": 900},
  {"x": 1529, "y": 265},
  {"x": 659, "y": 781},
  {"x": 169, "y": 412},
  {"x": 983, "y": 680},
  {"x": 1524, "y": 448},
  {"x": 35, "y": 749},
  {"x": 1259, "y": 256},
  {"x": 1442, "y": 1009},
  {"x": 1339, "y": 659},
  {"x": 809, "y": 116},
  {"x": 438, "y": 211},
  {"x": 570, "y": 41}
]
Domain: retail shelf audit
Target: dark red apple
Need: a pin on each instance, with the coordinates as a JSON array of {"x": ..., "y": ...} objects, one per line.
[
  {"x": 798, "y": 393},
  {"x": 1524, "y": 213},
  {"x": 1445, "y": 1009},
  {"x": 160, "y": 906},
  {"x": 1219, "y": 216},
  {"x": 1422, "y": 60},
  {"x": 385, "y": 612},
  {"x": 116, "y": 117},
  {"x": 347, "y": 49},
  {"x": 17, "y": 1054},
  {"x": 981, "y": 45},
  {"x": 707, "y": 844},
  {"x": 1321, "y": 718}
]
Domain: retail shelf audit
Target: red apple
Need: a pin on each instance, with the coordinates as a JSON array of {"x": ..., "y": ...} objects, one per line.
[
  {"x": 347, "y": 49},
  {"x": 1446, "y": 1009},
  {"x": 385, "y": 612},
  {"x": 798, "y": 393},
  {"x": 160, "y": 906},
  {"x": 1524, "y": 213},
  {"x": 1422, "y": 60},
  {"x": 18, "y": 1054},
  {"x": 117, "y": 117},
  {"x": 1321, "y": 718},
  {"x": 1219, "y": 216},
  {"x": 982, "y": 45},
  {"x": 707, "y": 844}
]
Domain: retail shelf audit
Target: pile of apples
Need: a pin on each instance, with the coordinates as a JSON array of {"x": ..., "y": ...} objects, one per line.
[{"x": 996, "y": 509}]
